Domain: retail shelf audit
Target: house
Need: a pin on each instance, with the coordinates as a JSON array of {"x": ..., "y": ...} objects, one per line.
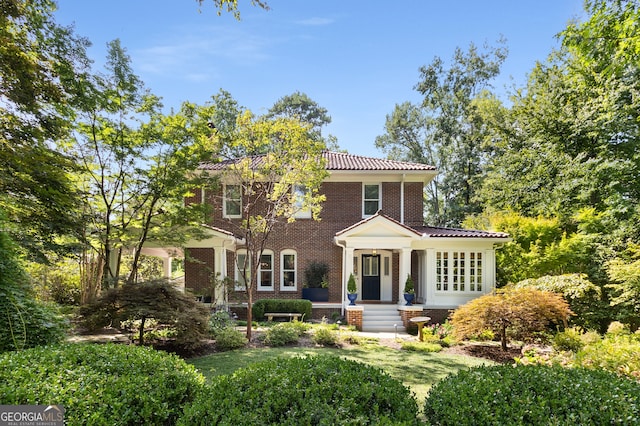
[{"x": 372, "y": 226}]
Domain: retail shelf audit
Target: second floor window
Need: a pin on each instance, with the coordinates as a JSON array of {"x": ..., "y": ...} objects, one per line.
[
  {"x": 232, "y": 207},
  {"x": 371, "y": 199},
  {"x": 299, "y": 192}
]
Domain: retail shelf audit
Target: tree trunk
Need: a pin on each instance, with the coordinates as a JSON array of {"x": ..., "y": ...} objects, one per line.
[
  {"x": 503, "y": 337},
  {"x": 141, "y": 335}
]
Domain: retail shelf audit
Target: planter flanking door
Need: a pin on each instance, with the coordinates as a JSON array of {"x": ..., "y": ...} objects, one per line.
[{"x": 370, "y": 277}]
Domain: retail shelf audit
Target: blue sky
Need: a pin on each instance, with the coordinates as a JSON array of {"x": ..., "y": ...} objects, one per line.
[{"x": 356, "y": 58}]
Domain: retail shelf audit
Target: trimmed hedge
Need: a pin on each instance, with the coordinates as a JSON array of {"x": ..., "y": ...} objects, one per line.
[
  {"x": 281, "y": 305},
  {"x": 533, "y": 395},
  {"x": 324, "y": 390},
  {"x": 101, "y": 384}
]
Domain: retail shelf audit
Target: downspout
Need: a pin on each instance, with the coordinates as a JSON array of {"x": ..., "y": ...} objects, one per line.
[
  {"x": 402, "y": 199},
  {"x": 344, "y": 272}
]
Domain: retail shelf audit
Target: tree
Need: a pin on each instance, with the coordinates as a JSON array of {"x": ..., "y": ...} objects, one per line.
[
  {"x": 231, "y": 6},
  {"x": 39, "y": 65},
  {"x": 136, "y": 163},
  {"x": 624, "y": 272},
  {"x": 157, "y": 300},
  {"x": 275, "y": 186},
  {"x": 446, "y": 130},
  {"x": 516, "y": 313}
]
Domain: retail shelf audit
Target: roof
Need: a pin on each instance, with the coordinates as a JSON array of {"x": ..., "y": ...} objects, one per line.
[
  {"x": 340, "y": 161},
  {"x": 438, "y": 232}
]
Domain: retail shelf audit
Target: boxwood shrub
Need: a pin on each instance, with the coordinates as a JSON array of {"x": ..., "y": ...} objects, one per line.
[
  {"x": 282, "y": 305},
  {"x": 324, "y": 390},
  {"x": 533, "y": 395},
  {"x": 101, "y": 384}
]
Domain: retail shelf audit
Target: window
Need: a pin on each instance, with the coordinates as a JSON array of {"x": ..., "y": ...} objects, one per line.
[
  {"x": 288, "y": 267},
  {"x": 458, "y": 271},
  {"x": 371, "y": 199},
  {"x": 298, "y": 193},
  {"x": 232, "y": 207},
  {"x": 243, "y": 264},
  {"x": 265, "y": 272}
]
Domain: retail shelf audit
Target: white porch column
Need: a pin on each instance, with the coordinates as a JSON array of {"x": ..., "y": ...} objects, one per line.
[
  {"x": 404, "y": 270},
  {"x": 489, "y": 271},
  {"x": 347, "y": 270},
  {"x": 166, "y": 267},
  {"x": 220, "y": 272}
]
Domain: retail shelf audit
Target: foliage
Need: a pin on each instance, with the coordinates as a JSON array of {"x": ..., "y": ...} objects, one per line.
[
  {"x": 584, "y": 297},
  {"x": 535, "y": 395},
  {"x": 517, "y": 313},
  {"x": 624, "y": 272},
  {"x": 315, "y": 274},
  {"x": 300, "y": 306},
  {"x": 231, "y": 6},
  {"x": 446, "y": 131},
  {"x": 413, "y": 346},
  {"x": 408, "y": 285},
  {"x": 59, "y": 282},
  {"x": 617, "y": 353},
  {"x": 40, "y": 63},
  {"x": 310, "y": 390},
  {"x": 24, "y": 322},
  {"x": 302, "y": 107},
  {"x": 101, "y": 384},
  {"x": 351, "y": 284},
  {"x": 220, "y": 320},
  {"x": 159, "y": 300},
  {"x": 229, "y": 339},
  {"x": 568, "y": 340},
  {"x": 440, "y": 334},
  {"x": 323, "y": 335}
]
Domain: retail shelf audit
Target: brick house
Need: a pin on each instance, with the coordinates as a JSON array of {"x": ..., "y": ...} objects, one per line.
[{"x": 372, "y": 226}]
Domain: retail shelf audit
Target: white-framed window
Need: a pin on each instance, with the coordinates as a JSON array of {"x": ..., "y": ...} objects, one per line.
[
  {"x": 288, "y": 270},
  {"x": 459, "y": 271},
  {"x": 232, "y": 201},
  {"x": 265, "y": 272},
  {"x": 371, "y": 199},
  {"x": 299, "y": 192},
  {"x": 242, "y": 266}
]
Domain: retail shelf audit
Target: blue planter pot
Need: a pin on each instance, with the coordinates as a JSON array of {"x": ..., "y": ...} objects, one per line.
[
  {"x": 352, "y": 298},
  {"x": 316, "y": 294},
  {"x": 408, "y": 297}
]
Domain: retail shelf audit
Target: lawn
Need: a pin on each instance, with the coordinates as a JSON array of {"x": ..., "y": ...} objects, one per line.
[{"x": 418, "y": 371}]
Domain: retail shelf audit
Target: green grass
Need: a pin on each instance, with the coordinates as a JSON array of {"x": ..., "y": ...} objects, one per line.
[{"x": 417, "y": 370}]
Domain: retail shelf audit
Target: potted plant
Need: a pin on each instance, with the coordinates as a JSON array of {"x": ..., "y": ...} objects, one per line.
[
  {"x": 409, "y": 292},
  {"x": 316, "y": 288},
  {"x": 352, "y": 294}
]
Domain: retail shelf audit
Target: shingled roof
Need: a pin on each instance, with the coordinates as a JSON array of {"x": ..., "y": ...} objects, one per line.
[
  {"x": 437, "y": 232},
  {"x": 341, "y": 161}
]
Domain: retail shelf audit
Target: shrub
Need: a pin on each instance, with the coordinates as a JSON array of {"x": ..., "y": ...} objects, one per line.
[
  {"x": 281, "y": 334},
  {"x": 323, "y": 390},
  {"x": 568, "y": 340},
  {"x": 281, "y": 305},
  {"x": 617, "y": 353},
  {"x": 24, "y": 322},
  {"x": 219, "y": 321},
  {"x": 534, "y": 395},
  {"x": 229, "y": 338},
  {"x": 101, "y": 384},
  {"x": 413, "y": 346},
  {"x": 324, "y": 336},
  {"x": 315, "y": 274}
]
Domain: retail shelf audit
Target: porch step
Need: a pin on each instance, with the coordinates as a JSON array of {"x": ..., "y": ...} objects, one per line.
[{"x": 381, "y": 318}]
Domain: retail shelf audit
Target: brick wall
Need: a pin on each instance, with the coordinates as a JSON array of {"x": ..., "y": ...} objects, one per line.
[{"x": 198, "y": 267}]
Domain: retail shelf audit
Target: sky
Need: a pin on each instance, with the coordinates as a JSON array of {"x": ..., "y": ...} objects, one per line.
[{"x": 356, "y": 58}]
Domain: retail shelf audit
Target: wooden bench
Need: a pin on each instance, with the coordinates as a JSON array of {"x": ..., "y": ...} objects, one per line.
[{"x": 292, "y": 316}]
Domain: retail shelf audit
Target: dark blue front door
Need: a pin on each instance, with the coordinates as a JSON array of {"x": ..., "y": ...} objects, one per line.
[{"x": 370, "y": 277}]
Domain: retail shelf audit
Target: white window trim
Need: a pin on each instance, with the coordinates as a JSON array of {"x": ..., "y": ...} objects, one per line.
[
  {"x": 237, "y": 276},
  {"x": 467, "y": 272},
  {"x": 282, "y": 270},
  {"x": 379, "y": 185},
  {"x": 299, "y": 213},
  {"x": 224, "y": 202},
  {"x": 272, "y": 286}
]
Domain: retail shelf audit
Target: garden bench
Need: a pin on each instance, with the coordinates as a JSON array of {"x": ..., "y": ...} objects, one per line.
[{"x": 291, "y": 316}]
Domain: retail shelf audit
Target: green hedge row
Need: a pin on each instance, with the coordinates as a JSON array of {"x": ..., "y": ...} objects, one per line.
[
  {"x": 533, "y": 395},
  {"x": 101, "y": 384},
  {"x": 282, "y": 305},
  {"x": 320, "y": 390}
]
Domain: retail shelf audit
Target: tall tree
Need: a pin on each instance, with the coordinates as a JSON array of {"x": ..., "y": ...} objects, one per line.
[
  {"x": 39, "y": 64},
  {"x": 446, "y": 129},
  {"x": 275, "y": 186}
]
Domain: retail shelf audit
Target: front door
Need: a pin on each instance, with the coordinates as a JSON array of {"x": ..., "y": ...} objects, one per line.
[{"x": 370, "y": 277}]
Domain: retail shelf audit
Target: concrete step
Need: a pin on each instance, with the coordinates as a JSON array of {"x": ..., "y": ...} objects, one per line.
[{"x": 381, "y": 318}]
